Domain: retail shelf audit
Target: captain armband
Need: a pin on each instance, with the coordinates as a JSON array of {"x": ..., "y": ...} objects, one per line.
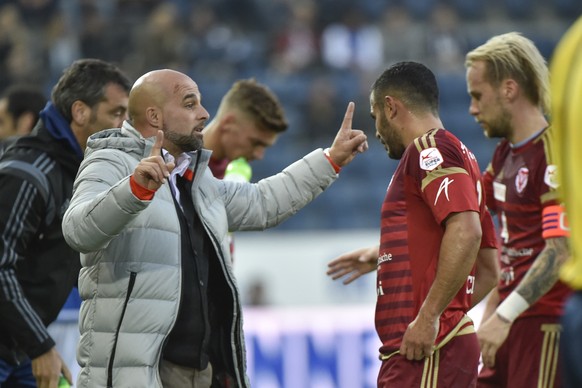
[
  {"x": 512, "y": 307},
  {"x": 554, "y": 222}
]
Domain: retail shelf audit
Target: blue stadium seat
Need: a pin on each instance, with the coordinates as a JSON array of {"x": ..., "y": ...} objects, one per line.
[
  {"x": 420, "y": 9},
  {"x": 519, "y": 9},
  {"x": 544, "y": 44},
  {"x": 292, "y": 89},
  {"x": 469, "y": 9},
  {"x": 461, "y": 124},
  {"x": 568, "y": 8},
  {"x": 453, "y": 89}
]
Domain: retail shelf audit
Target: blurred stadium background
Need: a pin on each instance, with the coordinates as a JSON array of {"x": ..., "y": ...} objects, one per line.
[
  {"x": 303, "y": 329},
  {"x": 315, "y": 54}
]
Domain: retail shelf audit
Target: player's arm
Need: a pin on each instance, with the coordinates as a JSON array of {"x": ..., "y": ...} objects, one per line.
[
  {"x": 353, "y": 264},
  {"x": 491, "y": 304},
  {"x": 539, "y": 279},
  {"x": 544, "y": 272},
  {"x": 487, "y": 271},
  {"x": 486, "y": 274},
  {"x": 459, "y": 248},
  {"x": 21, "y": 216}
]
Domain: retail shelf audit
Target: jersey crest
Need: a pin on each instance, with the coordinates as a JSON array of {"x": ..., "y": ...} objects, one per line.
[{"x": 521, "y": 179}]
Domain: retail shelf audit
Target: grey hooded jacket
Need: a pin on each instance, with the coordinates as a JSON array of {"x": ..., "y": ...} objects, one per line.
[{"x": 130, "y": 252}]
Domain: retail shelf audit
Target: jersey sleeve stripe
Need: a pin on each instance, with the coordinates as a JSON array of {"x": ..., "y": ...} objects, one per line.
[
  {"x": 546, "y": 139},
  {"x": 417, "y": 144},
  {"x": 435, "y": 174},
  {"x": 425, "y": 141}
]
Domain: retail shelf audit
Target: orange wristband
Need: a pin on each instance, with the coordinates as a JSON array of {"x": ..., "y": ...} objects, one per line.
[
  {"x": 336, "y": 168},
  {"x": 139, "y": 191}
]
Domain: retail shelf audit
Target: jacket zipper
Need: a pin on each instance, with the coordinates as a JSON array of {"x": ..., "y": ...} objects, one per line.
[{"x": 132, "y": 276}]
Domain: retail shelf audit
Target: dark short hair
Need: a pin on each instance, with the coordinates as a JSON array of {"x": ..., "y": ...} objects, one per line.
[
  {"x": 411, "y": 82},
  {"x": 85, "y": 80},
  {"x": 23, "y": 99}
]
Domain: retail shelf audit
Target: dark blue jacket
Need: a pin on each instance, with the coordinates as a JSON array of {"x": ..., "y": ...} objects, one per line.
[{"x": 37, "y": 268}]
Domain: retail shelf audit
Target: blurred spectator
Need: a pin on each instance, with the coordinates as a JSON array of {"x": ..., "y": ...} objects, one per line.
[
  {"x": 320, "y": 109},
  {"x": 403, "y": 37},
  {"x": 37, "y": 14},
  {"x": 14, "y": 40},
  {"x": 136, "y": 10},
  {"x": 96, "y": 39},
  {"x": 296, "y": 44},
  {"x": 207, "y": 43},
  {"x": 19, "y": 110},
  {"x": 62, "y": 46},
  {"x": 352, "y": 43},
  {"x": 257, "y": 293},
  {"x": 159, "y": 41},
  {"x": 241, "y": 13},
  {"x": 446, "y": 44}
]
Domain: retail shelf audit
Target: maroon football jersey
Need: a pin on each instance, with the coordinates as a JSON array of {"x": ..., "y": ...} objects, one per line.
[
  {"x": 519, "y": 183},
  {"x": 218, "y": 167},
  {"x": 437, "y": 176}
]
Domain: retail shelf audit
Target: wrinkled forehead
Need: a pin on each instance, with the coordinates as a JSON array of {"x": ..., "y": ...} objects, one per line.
[{"x": 185, "y": 86}]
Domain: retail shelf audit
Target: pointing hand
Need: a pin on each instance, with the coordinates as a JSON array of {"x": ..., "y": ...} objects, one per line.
[
  {"x": 348, "y": 142},
  {"x": 151, "y": 172}
]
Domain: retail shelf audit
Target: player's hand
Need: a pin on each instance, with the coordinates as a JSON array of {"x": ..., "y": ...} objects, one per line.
[
  {"x": 47, "y": 369},
  {"x": 491, "y": 335},
  {"x": 353, "y": 264},
  {"x": 348, "y": 142},
  {"x": 152, "y": 172},
  {"x": 419, "y": 337}
]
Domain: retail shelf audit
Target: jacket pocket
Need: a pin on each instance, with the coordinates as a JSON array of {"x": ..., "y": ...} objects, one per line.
[{"x": 132, "y": 276}]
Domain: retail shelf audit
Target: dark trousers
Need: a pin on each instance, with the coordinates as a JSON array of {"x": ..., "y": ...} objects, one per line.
[
  {"x": 571, "y": 342},
  {"x": 16, "y": 376}
]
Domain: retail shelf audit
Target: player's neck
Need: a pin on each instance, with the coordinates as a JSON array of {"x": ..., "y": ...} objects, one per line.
[
  {"x": 212, "y": 140},
  {"x": 526, "y": 124},
  {"x": 422, "y": 126}
]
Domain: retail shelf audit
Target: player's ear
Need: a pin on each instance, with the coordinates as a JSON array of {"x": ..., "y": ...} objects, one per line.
[
  {"x": 390, "y": 106},
  {"x": 80, "y": 113},
  {"x": 25, "y": 123},
  {"x": 153, "y": 115},
  {"x": 510, "y": 89},
  {"x": 227, "y": 121}
]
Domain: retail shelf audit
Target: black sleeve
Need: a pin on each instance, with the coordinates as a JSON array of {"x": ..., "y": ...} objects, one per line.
[{"x": 22, "y": 211}]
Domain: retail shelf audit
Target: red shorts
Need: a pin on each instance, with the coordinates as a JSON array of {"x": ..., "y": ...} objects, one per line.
[
  {"x": 528, "y": 357},
  {"x": 454, "y": 365}
]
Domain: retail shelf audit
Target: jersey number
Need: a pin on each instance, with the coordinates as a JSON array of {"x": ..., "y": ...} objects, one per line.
[{"x": 504, "y": 231}]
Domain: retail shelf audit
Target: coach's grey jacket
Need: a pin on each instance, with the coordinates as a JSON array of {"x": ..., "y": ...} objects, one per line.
[{"x": 130, "y": 252}]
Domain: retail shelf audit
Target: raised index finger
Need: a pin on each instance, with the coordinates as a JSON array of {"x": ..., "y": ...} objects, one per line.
[
  {"x": 157, "y": 147},
  {"x": 347, "y": 123}
]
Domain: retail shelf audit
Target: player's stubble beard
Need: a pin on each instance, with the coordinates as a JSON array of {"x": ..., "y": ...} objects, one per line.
[
  {"x": 186, "y": 143},
  {"x": 391, "y": 139},
  {"x": 500, "y": 125}
]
